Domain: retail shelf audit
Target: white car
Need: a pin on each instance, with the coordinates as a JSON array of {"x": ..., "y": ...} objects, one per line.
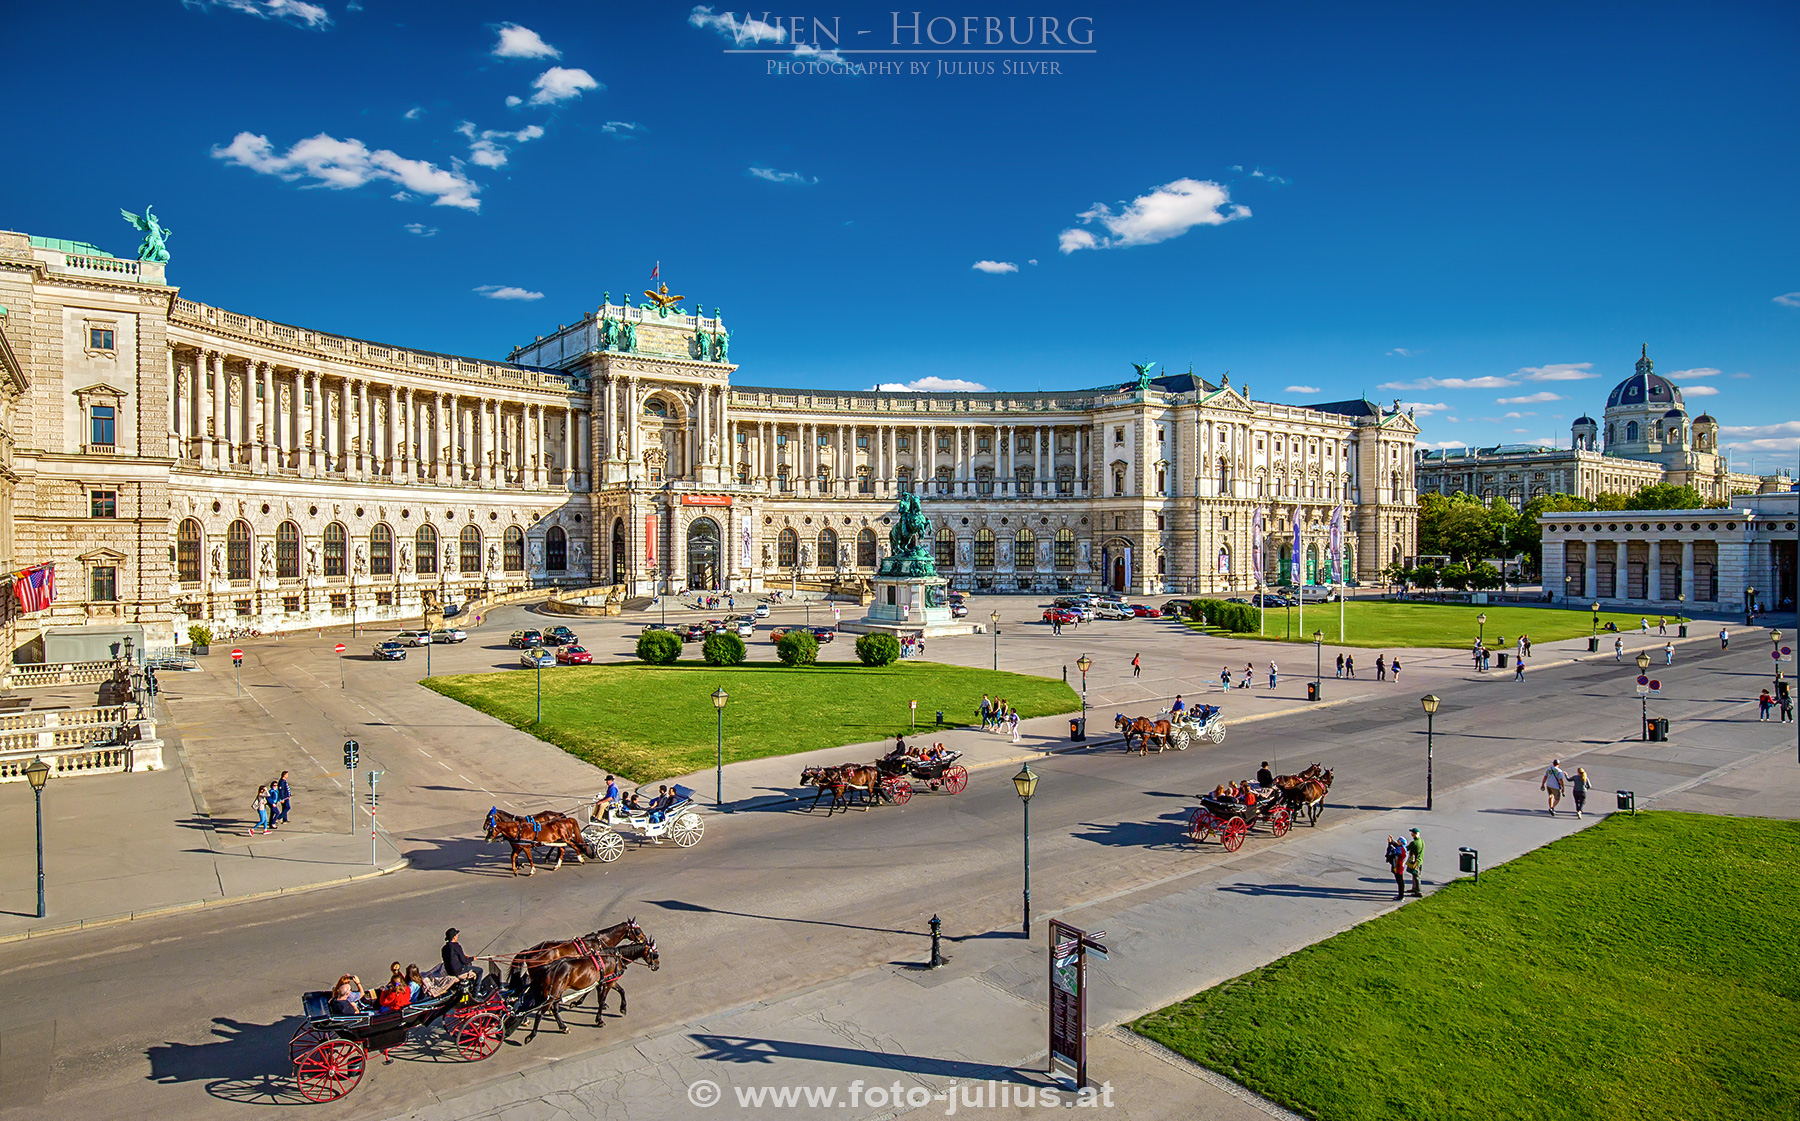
[
  {"x": 414, "y": 638},
  {"x": 762, "y": 611},
  {"x": 1111, "y": 611},
  {"x": 745, "y": 628},
  {"x": 450, "y": 634}
]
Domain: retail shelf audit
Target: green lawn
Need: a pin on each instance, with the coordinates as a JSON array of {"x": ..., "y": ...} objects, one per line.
[
  {"x": 648, "y": 722},
  {"x": 1645, "y": 967},
  {"x": 1384, "y": 623}
]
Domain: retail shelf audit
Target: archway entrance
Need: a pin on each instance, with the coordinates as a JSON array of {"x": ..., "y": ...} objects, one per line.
[
  {"x": 618, "y": 551},
  {"x": 703, "y": 555},
  {"x": 1120, "y": 575}
]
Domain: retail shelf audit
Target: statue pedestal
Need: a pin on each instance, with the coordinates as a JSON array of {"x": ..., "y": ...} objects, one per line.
[{"x": 908, "y": 605}]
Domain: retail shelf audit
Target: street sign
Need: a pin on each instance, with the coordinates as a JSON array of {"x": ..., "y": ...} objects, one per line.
[
  {"x": 1642, "y": 680},
  {"x": 339, "y": 648},
  {"x": 913, "y": 704},
  {"x": 237, "y": 655},
  {"x": 1655, "y": 687},
  {"x": 1644, "y": 689}
]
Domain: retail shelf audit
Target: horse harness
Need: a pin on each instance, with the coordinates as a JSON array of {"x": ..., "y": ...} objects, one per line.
[{"x": 593, "y": 951}]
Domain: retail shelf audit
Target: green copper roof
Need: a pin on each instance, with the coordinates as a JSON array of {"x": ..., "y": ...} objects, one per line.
[{"x": 62, "y": 245}]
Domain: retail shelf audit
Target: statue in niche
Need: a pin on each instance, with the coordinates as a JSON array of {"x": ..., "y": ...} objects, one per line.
[
  {"x": 218, "y": 562},
  {"x": 1043, "y": 557},
  {"x": 712, "y": 449},
  {"x": 843, "y": 555},
  {"x": 312, "y": 560},
  {"x": 449, "y": 556},
  {"x": 537, "y": 554},
  {"x": 766, "y": 555},
  {"x": 1086, "y": 552},
  {"x": 267, "y": 566},
  {"x": 577, "y": 552},
  {"x": 962, "y": 552},
  {"x": 1003, "y": 553},
  {"x": 361, "y": 560},
  {"x": 493, "y": 556},
  {"x": 805, "y": 554},
  {"x": 405, "y": 558}
]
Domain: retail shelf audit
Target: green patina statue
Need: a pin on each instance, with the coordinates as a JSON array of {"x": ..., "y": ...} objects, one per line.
[
  {"x": 721, "y": 346},
  {"x": 156, "y": 236},
  {"x": 1143, "y": 370},
  {"x": 627, "y": 336},
  {"x": 910, "y": 541},
  {"x": 701, "y": 349},
  {"x": 606, "y": 334}
]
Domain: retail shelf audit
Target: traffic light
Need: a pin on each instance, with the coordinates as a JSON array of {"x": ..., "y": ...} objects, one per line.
[{"x": 351, "y": 750}]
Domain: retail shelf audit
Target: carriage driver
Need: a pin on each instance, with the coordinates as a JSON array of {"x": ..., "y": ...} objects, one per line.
[
  {"x": 1177, "y": 709},
  {"x": 605, "y": 800},
  {"x": 1265, "y": 778},
  {"x": 457, "y": 963}
]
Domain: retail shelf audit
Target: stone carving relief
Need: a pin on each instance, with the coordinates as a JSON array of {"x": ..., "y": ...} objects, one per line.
[
  {"x": 806, "y": 554},
  {"x": 844, "y": 555},
  {"x": 361, "y": 561},
  {"x": 962, "y": 552},
  {"x": 577, "y": 552},
  {"x": 312, "y": 560},
  {"x": 493, "y": 558},
  {"x": 1084, "y": 547},
  {"x": 1044, "y": 551},
  {"x": 537, "y": 554},
  {"x": 218, "y": 562},
  {"x": 767, "y": 555},
  {"x": 405, "y": 558},
  {"x": 267, "y": 567},
  {"x": 449, "y": 556}
]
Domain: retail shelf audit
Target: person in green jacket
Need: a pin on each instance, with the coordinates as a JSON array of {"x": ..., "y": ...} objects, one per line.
[{"x": 1415, "y": 858}]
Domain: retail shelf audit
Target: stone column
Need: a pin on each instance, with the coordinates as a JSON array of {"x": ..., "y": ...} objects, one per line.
[
  {"x": 1592, "y": 576},
  {"x": 1653, "y": 572},
  {"x": 269, "y": 440},
  {"x": 568, "y": 448},
  {"x": 174, "y": 400},
  {"x": 1046, "y": 455},
  {"x": 246, "y": 419},
  {"x": 1687, "y": 570},
  {"x": 215, "y": 385},
  {"x": 393, "y": 458}
]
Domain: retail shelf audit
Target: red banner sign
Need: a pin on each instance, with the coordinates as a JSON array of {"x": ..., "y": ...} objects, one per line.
[
  {"x": 706, "y": 500},
  {"x": 649, "y": 538}
]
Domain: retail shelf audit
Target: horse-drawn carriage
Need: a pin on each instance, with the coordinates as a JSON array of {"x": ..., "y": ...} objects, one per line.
[
  {"x": 1231, "y": 814},
  {"x": 330, "y": 1052},
  {"x": 679, "y": 822},
  {"x": 1172, "y": 729},
  {"x": 942, "y": 773}
]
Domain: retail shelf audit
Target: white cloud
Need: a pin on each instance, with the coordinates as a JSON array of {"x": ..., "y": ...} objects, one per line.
[
  {"x": 1441, "y": 444},
  {"x": 995, "y": 266},
  {"x": 1782, "y": 437},
  {"x": 1403, "y": 352},
  {"x": 297, "y": 12},
  {"x": 1521, "y": 431},
  {"x": 1166, "y": 212},
  {"x": 1273, "y": 180},
  {"x": 414, "y": 113},
  {"x": 421, "y": 229},
  {"x": 513, "y": 101},
  {"x": 1425, "y": 409},
  {"x": 508, "y": 292},
  {"x": 488, "y": 147},
  {"x": 934, "y": 385},
  {"x": 809, "y": 53},
  {"x": 1788, "y": 299},
  {"x": 1537, "y": 398},
  {"x": 747, "y": 30},
  {"x": 622, "y": 128},
  {"x": 1694, "y": 374},
  {"x": 1301, "y": 389},
  {"x": 348, "y": 164},
  {"x": 1699, "y": 391},
  {"x": 1032, "y": 261},
  {"x": 560, "y": 83},
  {"x": 1740, "y": 375},
  {"x": 1518, "y": 416},
  {"x": 774, "y": 176},
  {"x": 522, "y": 42},
  {"x": 1558, "y": 371},
  {"x": 1489, "y": 382}
]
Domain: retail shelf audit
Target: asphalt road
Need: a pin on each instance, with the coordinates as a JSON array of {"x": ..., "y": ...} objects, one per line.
[{"x": 189, "y": 1015}]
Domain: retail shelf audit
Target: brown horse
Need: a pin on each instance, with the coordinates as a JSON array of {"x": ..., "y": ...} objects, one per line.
[
  {"x": 552, "y": 830},
  {"x": 1308, "y": 796},
  {"x": 1145, "y": 729},
  {"x": 598, "y": 970},
  {"x": 840, "y": 780},
  {"x": 544, "y": 953}
]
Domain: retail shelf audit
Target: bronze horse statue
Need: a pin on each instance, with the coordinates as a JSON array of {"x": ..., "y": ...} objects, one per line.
[
  {"x": 544, "y": 953},
  {"x": 598, "y": 969},
  {"x": 552, "y": 830}
]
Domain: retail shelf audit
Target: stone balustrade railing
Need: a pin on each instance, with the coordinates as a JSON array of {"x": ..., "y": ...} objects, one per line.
[
  {"x": 79, "y": 741},
  {"x": 33, "y": 676},
  {"x": 83, "y": 760}
]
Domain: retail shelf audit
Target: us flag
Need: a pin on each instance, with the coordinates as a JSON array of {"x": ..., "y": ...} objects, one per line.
[{"x": 35, "y": 588}]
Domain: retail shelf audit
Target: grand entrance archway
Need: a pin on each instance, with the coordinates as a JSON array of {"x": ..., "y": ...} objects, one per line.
[{"x": 703, "y": 555}]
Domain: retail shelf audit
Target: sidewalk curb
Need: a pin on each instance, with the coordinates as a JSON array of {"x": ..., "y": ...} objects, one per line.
[{"x": 200, "y": 904}]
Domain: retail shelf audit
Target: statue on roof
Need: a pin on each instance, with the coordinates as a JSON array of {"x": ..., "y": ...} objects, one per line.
[
  {"x": 156, "y": 236},
  {"x": 1143, "y": 372}
]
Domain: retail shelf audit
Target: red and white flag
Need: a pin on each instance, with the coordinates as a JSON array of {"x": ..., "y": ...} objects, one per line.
[
  {"x": 35, "y": 588},
  {"x": 655, "y": 272}
]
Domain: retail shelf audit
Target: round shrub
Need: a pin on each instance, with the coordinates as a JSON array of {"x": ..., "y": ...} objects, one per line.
[
  {"x": 797, "y": 648},
  {"x": 723, "y": 649},
  {"x": 878, "y": 649},
  {"x": 659, "y": 648}
]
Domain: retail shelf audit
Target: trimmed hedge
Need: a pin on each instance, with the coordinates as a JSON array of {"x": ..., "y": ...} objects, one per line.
[
  {"x": 878, "y": 649},
  {"x": 659, "y": 648},
  {"x": 1237, "y": 618},
  {"x": 723, "y": 649},
  {"x": 797, "y": 648}
]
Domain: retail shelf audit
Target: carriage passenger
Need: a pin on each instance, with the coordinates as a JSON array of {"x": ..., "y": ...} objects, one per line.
[
  {"x": 1177, "y": 709},
  {"x": 415, "y": 981},
  {"x": 395, "y": 995},
  {"x": 347, "y": 996},
  {"x": 606, "y": 800}
]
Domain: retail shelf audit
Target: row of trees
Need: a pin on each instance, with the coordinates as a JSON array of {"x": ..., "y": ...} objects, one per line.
[{"x": 1461, "y": 527}]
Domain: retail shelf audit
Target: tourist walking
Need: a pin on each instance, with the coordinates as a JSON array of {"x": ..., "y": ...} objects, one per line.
[
  {"x": 1135, "y": 667},
  {"x": 1619, "y": 649},
  {"x": 274, "y": 807},
  {"x": 1012, "y": 721},
  {"x": 1552, "y": 786},
  {"x": 1724, "y": 639},
  {"x": 1662, "y": 624},
  {"x": 1340, "y": 665},
  {"x": 1764, "y": 704},
  {"x": 262, "y": 811},
  {"x": 1225, "y": 677},
  {"x": 1395, "y": 855},
  {"x": 987, "y": 712},
  {"x": 1272, "y": 673},
  {"x": 1394, "y": 669},
  {"x": 1249, "y": 672},
  {"x": 1786, "y": 702},
  {"x": 1519, "y": 669},
  {"x": 1643, "y": 626},
  {"x": 1668, "y": 653},
  {"x": 1578, "y": 786},
  {"x": 1349, "y": 665},
  {"x": 1415, "y": 859},
  {"x": 1381, "y": 667},
  {"x": 283, "y": 800}
]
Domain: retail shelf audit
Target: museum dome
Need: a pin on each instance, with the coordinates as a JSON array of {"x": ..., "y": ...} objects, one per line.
[{"x": 1645, "y": 387}]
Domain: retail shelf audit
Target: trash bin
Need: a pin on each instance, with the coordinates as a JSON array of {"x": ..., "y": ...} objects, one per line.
[
  {"x": 1503, "y": 658},
  {"x": 1593, "y": 645},
  {"x": 1076, "y": 735},
  {"x": 940, "y": 716},
  {"x": 1684, "y": 630},
  {"x": 1659, "y": 729},
  {"x": 1628, "y": 801},
  {"x": 1312, "y": 690},
  {"x": 1470, "y": 861}
]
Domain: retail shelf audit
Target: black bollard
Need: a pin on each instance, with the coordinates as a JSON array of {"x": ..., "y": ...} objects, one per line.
[{"x": 937, "y": 955}]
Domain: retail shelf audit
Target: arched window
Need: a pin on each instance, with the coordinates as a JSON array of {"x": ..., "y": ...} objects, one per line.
[
  {"x": 556, "y": 549},
  {"x": 468, "y": 549},
  {"x": 237, "y": 551},
  {"x": 512, "y": 549},
  {"x": 287, "y": 551},
  {"x": 787, "y": 549},
  {"x": 984, "y": 548},
  {"x": 827, "y": 548},
  {"x": 187, "y": 551},
  {"x": 381, "y": 550},
  {"x": 945, "y": 548},
  {"x": 865, "y": 548},
  {"x": 334, "y": 549},
  {"x": 655, "y": 407},
  {"x": 1024, "y": 549},
  {"x": 425, "y": 550},
  {"x": 1631, "y": 432},
  {"x": 1065, "y": 548}
]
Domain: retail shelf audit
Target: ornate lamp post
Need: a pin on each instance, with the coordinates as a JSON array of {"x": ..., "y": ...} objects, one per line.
[
  {"x": 1318, "y": 660},
  {"x": 1084, "y": 663},
  {"x": 1596, "y": 610},
  {"x": 1430, "y": 702},
  {"x": 38, "y": 773},
  {"x": 1025, "y": 782},
  {"x": 719, "y": 697},
  {"x": 1643, "y": 665},
  {"x": 1775, "y": 637},
  {"x": 1749, "y": 607},
  {"x": 1481, "y": 628},
  {"x": 994, "y": 618},
  {"x": 537, "y": 664}
]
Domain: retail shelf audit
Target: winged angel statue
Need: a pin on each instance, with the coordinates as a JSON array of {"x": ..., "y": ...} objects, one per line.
[{"x": 156, "y": 236}]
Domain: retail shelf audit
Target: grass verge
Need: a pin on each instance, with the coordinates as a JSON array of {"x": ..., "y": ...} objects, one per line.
[
  {"x": 1643, "y": 967},
  {"x": 1375, "y": 624},
  {"x": 650, "y": 722}
]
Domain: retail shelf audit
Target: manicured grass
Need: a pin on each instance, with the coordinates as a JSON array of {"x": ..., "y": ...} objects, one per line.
[
  {"x": 1383, "y": 623},
  {"x": 1645, "y": 967},
  {"x": 649, "y": 722}
]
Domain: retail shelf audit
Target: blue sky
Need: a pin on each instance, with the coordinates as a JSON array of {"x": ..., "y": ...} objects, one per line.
[{"x": 1480, "y": 210}]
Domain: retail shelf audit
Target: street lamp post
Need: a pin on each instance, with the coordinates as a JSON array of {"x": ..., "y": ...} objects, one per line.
[
  {"x": 1749, "y": 607},
  {"x": 1643, "y": 665},
  {"x": 994, "y": 618},
  {"x": 1775, "y": 637},
  {"x": 1430, "y": 702},
  {"x": 1318, "y": 660},
  {"x": 1025, "y": 782},
  {"x": 38, "y": 773},
  {"x": 1596, "y": 610},
  {"x": 1481, "y": 628},
  {"x": 1084, "y": 663},
  {"x": 537, "y": 662},
  {"x": 719, "y": 697}
]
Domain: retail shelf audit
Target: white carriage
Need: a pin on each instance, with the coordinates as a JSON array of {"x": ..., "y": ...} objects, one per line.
[
  {"x": 679, "y": 822},
  {"x": 1201, "y": 722}
]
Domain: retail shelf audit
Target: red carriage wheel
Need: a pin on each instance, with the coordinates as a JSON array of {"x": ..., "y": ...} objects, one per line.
[
  {"x": 1200, "y": 825},
  {"x": 1281, "y": 821},
  {"x": 478, "y": 1035},
  {"x": 305, "y": 1040},
  {"x": 330, "y": 1070},
  {"x": 956, "y": 779},
  {"x": 1233, "y": 835},
  {"x": 900, "y": 791}
]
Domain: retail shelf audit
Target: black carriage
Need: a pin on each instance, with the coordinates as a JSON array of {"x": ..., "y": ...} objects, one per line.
[
  {"x": 944, "y": 774},
  {"x": 330, "y": 1052},
  {"x": 1232, "y": 820}
]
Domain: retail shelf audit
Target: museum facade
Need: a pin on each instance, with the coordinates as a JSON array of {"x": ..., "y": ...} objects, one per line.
[{"x": 179, "y": 462}]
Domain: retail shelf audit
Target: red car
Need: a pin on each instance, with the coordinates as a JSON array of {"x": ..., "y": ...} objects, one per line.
[
  {"x": 1143, "y": 612},
  {"x": 573, "y": 656},
  {"x": 1058, "y": 615}
]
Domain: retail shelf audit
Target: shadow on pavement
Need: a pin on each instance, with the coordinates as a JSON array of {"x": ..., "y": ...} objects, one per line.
[
  {"x": 744, "y": 1049},
  {"x": 684, "y": 905},
  {"x": 1303, "y": 891},
  {"x": 1515, "y": 812},
  {"x": 1166, "y": 832}
]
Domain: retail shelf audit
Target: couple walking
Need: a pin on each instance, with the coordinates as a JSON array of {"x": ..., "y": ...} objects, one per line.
[
  {"x": 1555, "y": 781},
  {"x": 272, "y": 805},
  {"x": 1405, "y": 856}
]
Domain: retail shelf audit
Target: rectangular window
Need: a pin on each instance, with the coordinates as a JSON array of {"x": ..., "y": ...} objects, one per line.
[
  {"x": 384, "y": 599},
  {"x": 781, "y": 439},
  {"x": 1118, "y": 521},
  {"x": 981, "y": 443},
  {"x": 943, "y": 443},
  {"x": 1161, "y": 436},
  {"x": 1225, "y": 522},
  {"x": 100, "y": 338},
  {"x": 903, "y": 443},
  {"x": 862, "y": 441},
  {"x": 1159, "y": 522},
  {"x": 824, "y": 440},
  {"x": 103, "y": 504},
  {"x": 290, "y": 604},
  {"x": 339, "y": 602},
  {"x": 240, "y": 607},
  {"x": 743, "y": 437},
  {"x": 104, "y": 585},
  {"x": 1118, "y": 435},
  {"x": 100, "y": 427}
]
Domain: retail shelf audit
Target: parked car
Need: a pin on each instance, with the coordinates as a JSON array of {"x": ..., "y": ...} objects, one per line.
[
  {"x": 1315, "y": 593},
  {"x": 1175, "y": 609},
  {"x": 1145, "y": 611},
  {"x": 573, "y": 655},
  {"x": 1268, "y": 600},
  {"x": 648, "y": 627},
  {"x": 1110, "y": 611},
  {"x": 746, "y": 628},
  {"x": 1060, "y": 615},
  {"x": 413, "y": 638},
  {"x": 537, "y": 658},
  {"x": 693, "y": 632},
  {"x": 762, "y": 611},
  {"x": 559, "y": 636},
  {"x": 390, "y": 651},
  {"x": 714, "y": 626},
  {"x": 823, "y": 634},
  {"x": 449, "y": 634},
  {"x": 525, "y": 640},
  {"x": 959, "y": 610}
]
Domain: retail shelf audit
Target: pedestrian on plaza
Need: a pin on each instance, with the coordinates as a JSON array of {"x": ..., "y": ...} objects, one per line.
[
  {"x": 283, "y": 801},
  {"x": 1668, "y": 653},
  {"x": 1340, "y": 665},
  {"x": 1381, "y": 667},
  {"x": 274, "y": 807},
  {"x": 262, "y": 811},
  {"x": 1394, "y": 668},
  {"x": 1349, "y": 665},
  {"x": 1012, "y": 721},
  {"x": 1249, "y": 672},
  {"x": 1662, "y": 624},
  {"x": 1395, "y": 855},
  {"x": 1643, "y": 626},
  {"x": 1415, "y": 860},
  {"x": 1578, "y": 786},
  {"x": 1135, "y": 667},
  {"x": 987, "y": 711},
  {"x": 1765, "y": 703},
  {"x": 1786, "y": 702},
  {"x": 1273, "y": 675},
  {"x": 1724, "y": 639},
  {"x": 1476, "y": 655},
  {"x": 1552, "y": 786},
  {"x": 1619, "y": 649},
  {"x": 1519, "y": 669},
  {"x": 1225, "y": 678},
  {"x": 1056, "y": 624}
]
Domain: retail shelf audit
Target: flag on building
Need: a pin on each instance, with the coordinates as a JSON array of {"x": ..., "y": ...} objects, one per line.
[
  {"x": 1256, "y": 544},
  {"x": 35, "y": 588},
  {"x": 655, "y": 272},
  {"x": 1337, "y": 544},
  {"x": 1296, "y": 571}
]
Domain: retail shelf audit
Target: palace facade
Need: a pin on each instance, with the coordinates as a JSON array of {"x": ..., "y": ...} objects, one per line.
[{"x": 180, "y": 462}]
